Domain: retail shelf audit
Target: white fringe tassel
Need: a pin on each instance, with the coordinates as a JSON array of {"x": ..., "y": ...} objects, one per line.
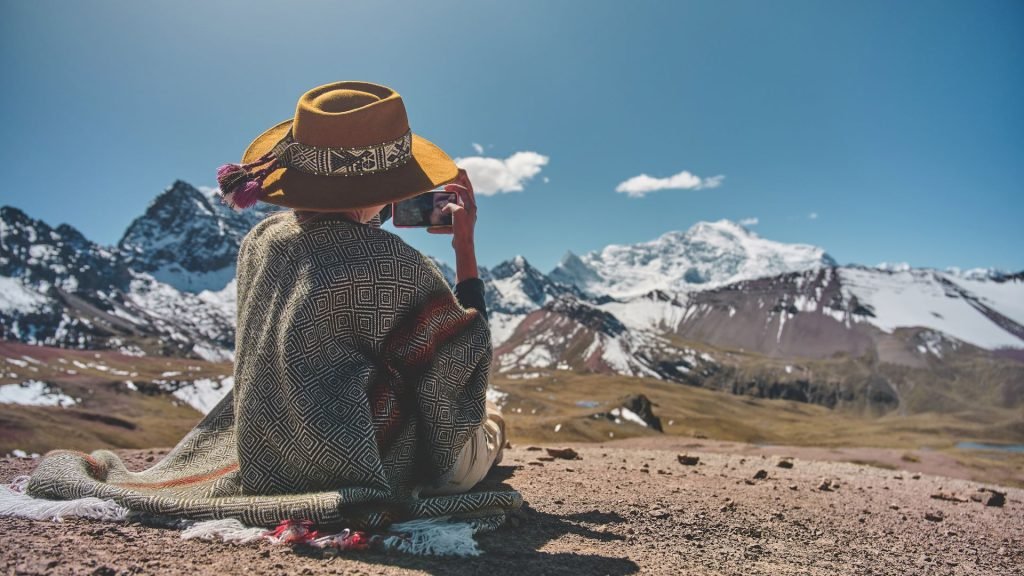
[
  {"x": 14, "y": 502},
  {"x": 228, "y": 530},
  {"x": 433, "y": 537}
]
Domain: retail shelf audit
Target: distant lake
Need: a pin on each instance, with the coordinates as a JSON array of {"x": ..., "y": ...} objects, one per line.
[{"x": 999, "y": 447}]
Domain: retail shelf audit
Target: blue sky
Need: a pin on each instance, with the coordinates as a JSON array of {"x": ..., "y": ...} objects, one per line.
[{"x": 881, "y": 131}]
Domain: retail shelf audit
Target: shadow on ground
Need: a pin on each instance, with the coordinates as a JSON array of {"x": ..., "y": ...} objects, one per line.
[{"x": 516, "y": 547}]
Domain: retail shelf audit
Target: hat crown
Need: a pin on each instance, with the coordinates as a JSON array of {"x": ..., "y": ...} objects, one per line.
[{"x": 349, "y": 115}]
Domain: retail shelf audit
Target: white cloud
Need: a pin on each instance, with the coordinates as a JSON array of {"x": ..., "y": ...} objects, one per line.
[
  {"x": 813, "y": 216},
  {"x": 749, "y": 221},
  {"x": 479, "y": 148},
  {"x": 639, "y": 186},
  {"x": 492, "y": 176}
]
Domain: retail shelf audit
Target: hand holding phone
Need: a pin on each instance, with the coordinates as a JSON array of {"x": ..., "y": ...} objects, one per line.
[
  {"x": 463, "y": 210},
  {"x": 426, "y": 210},
  {"x": 463, "y": 227}
]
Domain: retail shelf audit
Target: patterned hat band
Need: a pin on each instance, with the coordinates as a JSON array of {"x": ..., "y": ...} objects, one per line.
[
  {"x": 322, "y": 161},
  {"x": 241, "y": 185}
]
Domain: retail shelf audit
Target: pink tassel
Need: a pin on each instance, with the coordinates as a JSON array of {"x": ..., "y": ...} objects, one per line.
[
  {"x": 240, "y": 188},
  {"x": 248, "y": 195}
]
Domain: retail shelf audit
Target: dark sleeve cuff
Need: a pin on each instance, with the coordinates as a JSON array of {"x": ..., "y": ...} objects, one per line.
[{"x": 470, "y": 294}]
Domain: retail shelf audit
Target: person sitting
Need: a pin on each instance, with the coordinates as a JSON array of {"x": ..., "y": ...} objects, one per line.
[{"x": 360, "y": 376}]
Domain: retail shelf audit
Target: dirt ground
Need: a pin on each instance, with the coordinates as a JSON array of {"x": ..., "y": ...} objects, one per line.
[{"x": 622, "y": 508}]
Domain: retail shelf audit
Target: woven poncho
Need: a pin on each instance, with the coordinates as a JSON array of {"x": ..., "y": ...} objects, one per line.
[{"x": 358, "y": 379}]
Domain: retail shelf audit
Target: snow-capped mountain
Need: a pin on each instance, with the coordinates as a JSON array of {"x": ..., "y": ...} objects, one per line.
[
  {"x": 513, "y": 289},
  {"x": 900, "y": 317},
  {"x": 57, "y": 288},
  {"x": 640, "y": 310},
  {"x": 708, "y": 255},
  {"x": 55, "y": 257},
  {"x": 188, "y": 239}
]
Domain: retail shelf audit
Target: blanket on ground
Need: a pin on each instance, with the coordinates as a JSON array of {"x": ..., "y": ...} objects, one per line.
[{"x": 358, "y": 379}]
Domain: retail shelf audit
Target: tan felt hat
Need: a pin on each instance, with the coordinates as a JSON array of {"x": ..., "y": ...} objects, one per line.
[{"x": 349, "y": 146}]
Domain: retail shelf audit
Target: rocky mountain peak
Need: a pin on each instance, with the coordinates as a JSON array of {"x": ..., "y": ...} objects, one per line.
[
  {"x": 516, "y": 265},
  {"x": 187, "y": 239},
  {"x": 515, "y": 286},
  {"x": 43, "y": 256}
]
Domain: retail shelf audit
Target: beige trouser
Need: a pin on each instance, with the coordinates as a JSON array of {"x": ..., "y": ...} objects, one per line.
[{"x": 482, "y": 450}]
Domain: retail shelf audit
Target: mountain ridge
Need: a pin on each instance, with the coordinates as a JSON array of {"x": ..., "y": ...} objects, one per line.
[{"x": 167, "y": 288}]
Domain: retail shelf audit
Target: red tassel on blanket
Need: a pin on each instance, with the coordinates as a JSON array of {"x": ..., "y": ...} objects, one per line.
[
  {"x": 294, "y": 532},
  {"x": 344, "y": 540},
  {"x": 300, "y": 533}
]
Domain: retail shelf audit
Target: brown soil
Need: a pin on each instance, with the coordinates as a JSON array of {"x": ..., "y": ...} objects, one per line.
[{"x": 621, "y": 508}]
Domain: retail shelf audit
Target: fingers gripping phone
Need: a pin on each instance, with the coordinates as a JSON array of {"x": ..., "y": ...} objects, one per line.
[{"x": 424, "y": 211}]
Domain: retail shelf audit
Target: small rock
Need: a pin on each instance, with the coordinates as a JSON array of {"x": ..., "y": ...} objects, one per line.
[
  {"x": 995, "y": 498},
  {"x": 687, "y": 460},
  {"x": 545, "y": 458},
  {"x": 150, "y": 458},
  {"x": 645, "y": 470},
  {"x": 794, "y": 487},
  {"x": 563, "y": 453},
  {"x": 825, "y": 485},
  {"x": 659, "y": 513},
  {"x": 949, "y": 497},
  {"x": 934, "y": 516},
  {"x": 785, "y": 463},
  {"x": 916, "y": 477},
  {"x": 533, "y": 448},
  {"x": 535, "y": 463},
  {"x": 753, "y": 551},
  {"x": 760, "y": 475}
]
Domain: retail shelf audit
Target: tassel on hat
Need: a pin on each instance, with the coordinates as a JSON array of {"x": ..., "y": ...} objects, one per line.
[{"x": 240, "y": 185}]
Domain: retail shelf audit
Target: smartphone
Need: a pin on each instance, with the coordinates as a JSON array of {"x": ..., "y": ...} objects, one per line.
[{"x": 423, "y": 211}]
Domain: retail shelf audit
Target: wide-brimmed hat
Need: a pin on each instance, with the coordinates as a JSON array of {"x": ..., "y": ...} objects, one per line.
[{"x": 349, "y": 146}]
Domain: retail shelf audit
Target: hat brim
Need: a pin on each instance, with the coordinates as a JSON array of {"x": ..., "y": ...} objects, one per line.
[{"x": 428, "y": 168}]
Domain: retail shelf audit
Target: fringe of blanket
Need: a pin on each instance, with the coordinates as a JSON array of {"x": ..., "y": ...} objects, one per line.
[
  {"x": 14, "y": 502},
  {"x": 423, "y": 537}
]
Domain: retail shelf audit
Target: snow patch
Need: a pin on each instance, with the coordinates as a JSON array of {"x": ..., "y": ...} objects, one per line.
[
  {"x": 203, "y": 394},
  {"x": 34, "y": 393},
  {"x": 628, "y": 415},
  {"x": 17, "y": 297}
]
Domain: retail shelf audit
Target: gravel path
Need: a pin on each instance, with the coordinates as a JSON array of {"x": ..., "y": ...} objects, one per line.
[{"x": 616, "y": 510}]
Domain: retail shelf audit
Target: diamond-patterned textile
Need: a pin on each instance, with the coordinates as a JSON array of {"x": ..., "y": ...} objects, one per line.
[{"x": 358, "y": 379}]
